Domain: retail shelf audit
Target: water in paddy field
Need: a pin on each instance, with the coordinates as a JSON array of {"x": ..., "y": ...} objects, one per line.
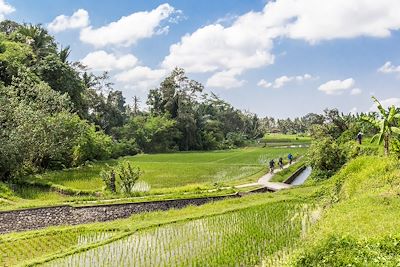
[
  {"x": 302, "y": 177},
  {"x": 242, "y": 238}
]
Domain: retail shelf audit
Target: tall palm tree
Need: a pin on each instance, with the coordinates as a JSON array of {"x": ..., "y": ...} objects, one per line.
[
  {"x": 64, "y": 54},
  {"x": 388, "y": 124},
  {"x": 41, "y": 42}
]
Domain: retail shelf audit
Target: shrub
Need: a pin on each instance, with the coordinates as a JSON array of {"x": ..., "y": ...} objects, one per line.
[
  {"x": 326, "y": 157},
  {"x": 91, "y": 145},
  {"x": 108, "y": 177},
  {"x": 124, "y": 148},
  {"x": 128, "y": 176}
]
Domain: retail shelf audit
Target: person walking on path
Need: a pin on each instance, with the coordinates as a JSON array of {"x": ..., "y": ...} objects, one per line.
[
  {"x": 359, "y": 137},
  {"x": 280, "y": 163},
  {"x": 290, "y": 158},
  {"x": 271, "y": 166}
]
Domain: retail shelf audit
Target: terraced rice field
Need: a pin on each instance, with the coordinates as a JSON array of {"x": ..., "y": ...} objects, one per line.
[
  {"x": 260, "y": 234},
  {"x": 180, "y": 169}
]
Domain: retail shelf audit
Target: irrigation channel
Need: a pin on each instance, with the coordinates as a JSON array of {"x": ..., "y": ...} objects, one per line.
[{"x": 302, "y": 177}]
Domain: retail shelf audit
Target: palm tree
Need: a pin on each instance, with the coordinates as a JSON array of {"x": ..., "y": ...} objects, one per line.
[
  {"x": 64, "y": 54},
  {"x": 41, "y": 42},
  {"x": 387, "y": 124}
]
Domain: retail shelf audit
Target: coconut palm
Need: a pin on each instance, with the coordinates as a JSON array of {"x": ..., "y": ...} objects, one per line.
[{"x": 388, "y": 124}]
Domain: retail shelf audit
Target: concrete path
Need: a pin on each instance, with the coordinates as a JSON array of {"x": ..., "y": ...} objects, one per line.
[{"x": 265, "y": 181}]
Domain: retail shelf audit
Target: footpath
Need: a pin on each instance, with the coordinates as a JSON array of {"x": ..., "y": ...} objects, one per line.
[{"x": 265, "y": 181}]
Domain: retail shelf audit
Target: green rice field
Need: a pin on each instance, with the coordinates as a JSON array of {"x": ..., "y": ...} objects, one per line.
[{"x": 180, "y": 169}]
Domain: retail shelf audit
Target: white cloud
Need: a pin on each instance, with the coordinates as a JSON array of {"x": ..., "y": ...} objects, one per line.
[
  {"x": 247, "y": 42},
  {"x": 102, "y": 61},
  {"x": 263, "y": 83},
  {"x": 316, "y": 20},
  {"x": 216, "y": 48},
  {"x": 128, "y": 30},
  {"x": 386, "y": 103},
  {"x": 5, "y": 9},
  {"x": 78, "y": 20},
  {"x": 225, "y": 79},
  {"x": 388, "y": 67},
  {"x": 142, "y": 78},
  {"x": 283, "y": 80},
  {"x": 337, "y": 87}
]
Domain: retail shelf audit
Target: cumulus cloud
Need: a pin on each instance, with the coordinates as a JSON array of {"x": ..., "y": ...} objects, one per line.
[
  {"x": 315, "y": 20},
  {"x": 215, "y": 47},
  {"x": 263, "y": 83},
  {"x": 130, "y": 29},
  {"x": 225, "y": 79},
  {"x": 283, "y": 80},
  {"x": 386, "y": 103},
  {"x": 142, "y": 78},
  {"x": 247, "y": 42},
  {"x": 103, "y": 61},
  {"x": 78, "y": 20},
  {"x": 5, "y": 9},
  {"x": 388, "y": 67},
  {"x": 337, "y": 87}
]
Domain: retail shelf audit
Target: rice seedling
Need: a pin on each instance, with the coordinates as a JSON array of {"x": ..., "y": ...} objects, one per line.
[
  {"x": 243, "y": 238},
  {"x": 16, "y": 251}
]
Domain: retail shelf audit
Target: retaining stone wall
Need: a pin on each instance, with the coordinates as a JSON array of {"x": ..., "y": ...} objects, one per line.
[{"x": 30, "y": 219}]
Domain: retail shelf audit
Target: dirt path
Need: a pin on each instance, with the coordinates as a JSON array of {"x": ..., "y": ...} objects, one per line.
[{"x": 265, "y": 181}]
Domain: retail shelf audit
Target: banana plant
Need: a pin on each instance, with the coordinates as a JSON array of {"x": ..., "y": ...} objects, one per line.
[{"x": 387, "y": 124}]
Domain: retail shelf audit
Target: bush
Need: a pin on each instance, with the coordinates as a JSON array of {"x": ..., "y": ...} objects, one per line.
[
  {"x": 124, "y": 148},
  {"x": 91, "y": 145},
  {"x": 108, "y": 177},
  {"x": 234, "y": 140},
  {"x": 128, "y": 176},
  {"x": 325, "y": 157}
]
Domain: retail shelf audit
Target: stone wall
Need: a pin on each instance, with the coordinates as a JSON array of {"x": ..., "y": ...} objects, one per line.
[{"x": 30, "y": 219}]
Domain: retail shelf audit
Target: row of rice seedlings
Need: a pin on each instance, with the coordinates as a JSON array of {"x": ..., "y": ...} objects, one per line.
[
  {"x": 242, "y": 238},
  {"x": 20, "y": 250}
]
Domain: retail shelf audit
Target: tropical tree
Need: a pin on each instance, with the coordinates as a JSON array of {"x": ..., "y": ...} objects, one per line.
[{"x": 387, "y": 123}]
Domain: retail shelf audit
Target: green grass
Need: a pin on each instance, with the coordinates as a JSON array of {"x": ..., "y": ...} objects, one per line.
[
  {"x": 178, "y": 169},
  {"x": 361, "y": 227}
]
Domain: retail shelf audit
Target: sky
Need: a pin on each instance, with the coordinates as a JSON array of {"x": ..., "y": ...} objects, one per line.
[{"x": 280, "y": 58}]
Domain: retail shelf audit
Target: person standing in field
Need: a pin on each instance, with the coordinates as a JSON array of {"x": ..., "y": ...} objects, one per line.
[
  {"x": 359, "y": 137},
  {"x": 280, "y": 163},
  {"x": 290, "y": 158},
  {"x": 271, "y": 166}
]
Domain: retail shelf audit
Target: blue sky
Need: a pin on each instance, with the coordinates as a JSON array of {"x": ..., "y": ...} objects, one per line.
[{"x": 280, "y": 58}]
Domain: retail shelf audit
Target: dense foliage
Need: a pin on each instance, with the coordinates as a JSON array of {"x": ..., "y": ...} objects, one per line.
[{"x": 55, "y": 114}]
